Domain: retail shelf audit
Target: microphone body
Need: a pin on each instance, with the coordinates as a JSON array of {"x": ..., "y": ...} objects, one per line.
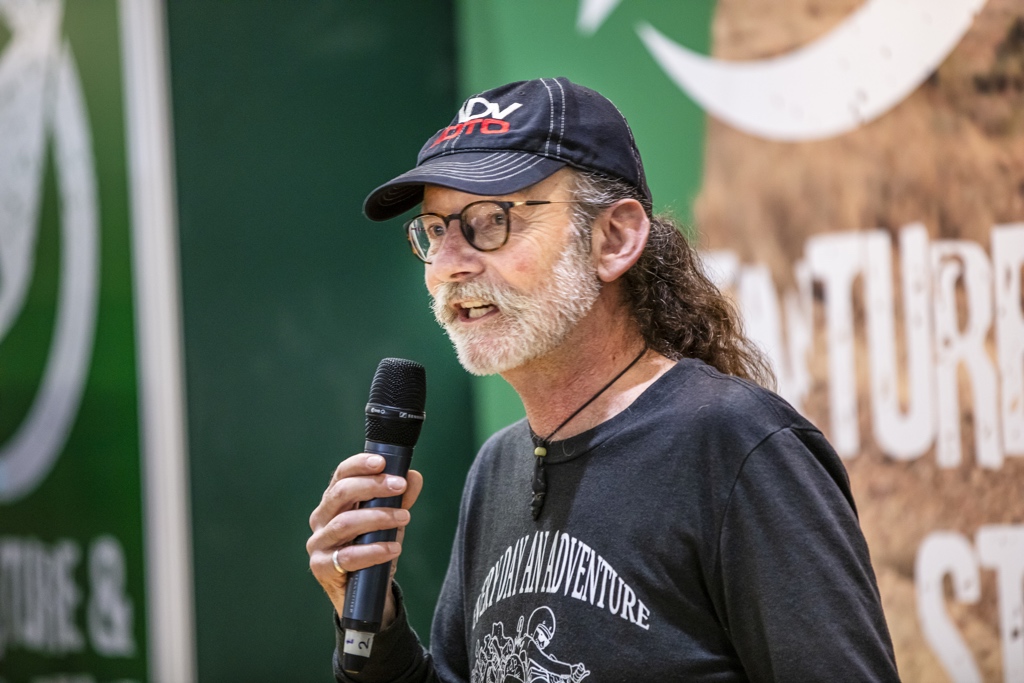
[
  {"x": 394, "y": 417},
  {"x": 367, "y": 588}
]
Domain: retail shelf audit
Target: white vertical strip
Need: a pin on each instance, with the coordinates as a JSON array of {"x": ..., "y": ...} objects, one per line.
[{"x": 158, "y": 328}]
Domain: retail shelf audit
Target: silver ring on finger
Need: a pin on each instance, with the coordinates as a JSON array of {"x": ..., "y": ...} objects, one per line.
[{"x": 337, "y": 566}]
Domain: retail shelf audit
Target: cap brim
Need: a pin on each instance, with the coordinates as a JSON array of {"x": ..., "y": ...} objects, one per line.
[{"x": 483, "y": 173}]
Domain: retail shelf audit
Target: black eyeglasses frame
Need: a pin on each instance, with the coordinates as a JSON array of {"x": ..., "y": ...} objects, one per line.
[{"x": 506, "y": 206}]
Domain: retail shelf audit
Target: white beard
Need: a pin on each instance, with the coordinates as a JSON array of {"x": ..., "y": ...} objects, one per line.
[{"x": 526, "y": 326}]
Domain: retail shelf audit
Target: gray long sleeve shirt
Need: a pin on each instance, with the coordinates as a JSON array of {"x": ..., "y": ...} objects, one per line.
[{"x": 706, "y": 533}]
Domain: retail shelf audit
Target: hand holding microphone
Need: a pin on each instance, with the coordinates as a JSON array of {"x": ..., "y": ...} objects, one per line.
[{"x": 358, "y": 526}]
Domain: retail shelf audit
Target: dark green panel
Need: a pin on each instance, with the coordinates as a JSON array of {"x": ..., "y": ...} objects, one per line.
[{"x": 286, "y": 115}]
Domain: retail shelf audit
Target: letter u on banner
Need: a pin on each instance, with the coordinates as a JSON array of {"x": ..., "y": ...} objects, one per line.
[
  {"x": 908, "y": 435},
  {"x": 966, "y": 262}
]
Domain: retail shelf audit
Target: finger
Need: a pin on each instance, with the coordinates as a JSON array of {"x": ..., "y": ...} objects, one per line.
[
  {"x": 358, "y": 464},
  {"x": 400, "y": 537},
  {"x": 345, "y": 527},
  {"x": 414, "y": 481},
  {"x": 351, "y": 558},
  {"x": 347, "y": 492}
]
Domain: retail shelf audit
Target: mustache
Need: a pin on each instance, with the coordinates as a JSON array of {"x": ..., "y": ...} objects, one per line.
[{"x": 508, "y": 299}]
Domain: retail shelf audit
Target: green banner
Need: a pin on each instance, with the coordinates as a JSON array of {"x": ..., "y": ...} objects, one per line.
[{"x": 72, "y": 583}]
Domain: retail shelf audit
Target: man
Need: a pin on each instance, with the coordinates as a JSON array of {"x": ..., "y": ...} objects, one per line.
[{"x": 677, "y": 521}]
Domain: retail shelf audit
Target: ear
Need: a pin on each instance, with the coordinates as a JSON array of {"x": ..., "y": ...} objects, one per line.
[{"x": 618, "y": 238}]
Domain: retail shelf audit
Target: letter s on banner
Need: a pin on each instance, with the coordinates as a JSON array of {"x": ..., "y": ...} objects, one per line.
[{"x": 943, "y": 553}]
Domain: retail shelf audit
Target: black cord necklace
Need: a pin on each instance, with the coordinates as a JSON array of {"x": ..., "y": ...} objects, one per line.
[{"x": 540, "y": 444}]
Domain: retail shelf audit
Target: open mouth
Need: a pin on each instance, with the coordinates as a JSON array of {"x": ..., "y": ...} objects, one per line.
[{"x": 473, "y": 309}]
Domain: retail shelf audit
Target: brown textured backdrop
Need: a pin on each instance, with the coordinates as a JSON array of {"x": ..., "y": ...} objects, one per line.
[{"x": 950, "y": 156}]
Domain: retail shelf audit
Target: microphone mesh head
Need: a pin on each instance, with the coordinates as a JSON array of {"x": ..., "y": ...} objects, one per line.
[{"x": 398, "y": 383}]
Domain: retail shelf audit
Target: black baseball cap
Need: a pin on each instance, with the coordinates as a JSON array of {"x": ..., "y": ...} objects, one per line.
[{"x": 513, "y": 136}]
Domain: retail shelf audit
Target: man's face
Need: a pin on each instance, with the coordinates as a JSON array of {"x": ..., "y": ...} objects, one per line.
[{"x": 506, "y": 307}]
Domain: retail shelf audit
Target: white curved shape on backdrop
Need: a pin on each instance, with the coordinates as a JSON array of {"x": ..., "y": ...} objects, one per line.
[
  {"x": 30, "y": 453},
  {"x": 841, "y": 81},
  {"x": 592, "y": 14}
]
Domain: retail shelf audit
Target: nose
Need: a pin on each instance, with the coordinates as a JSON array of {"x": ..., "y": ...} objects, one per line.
[{"x": 456, "y": 260}]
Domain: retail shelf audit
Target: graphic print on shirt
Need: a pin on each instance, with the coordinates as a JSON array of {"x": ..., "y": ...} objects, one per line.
[
  {"x": 526, "y": 658},
  {"x": 552, "y": 562}
]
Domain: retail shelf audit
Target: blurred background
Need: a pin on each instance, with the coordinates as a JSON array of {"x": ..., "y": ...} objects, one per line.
[{"x": 192, "y": 305}]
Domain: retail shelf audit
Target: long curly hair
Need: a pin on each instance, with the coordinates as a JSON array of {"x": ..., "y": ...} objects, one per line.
[{"x": 679, "y": 310}]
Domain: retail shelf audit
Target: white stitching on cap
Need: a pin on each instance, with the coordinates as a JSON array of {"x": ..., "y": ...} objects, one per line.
[
  {"x": 495, "y": 161},
  {"x": 561, "y": 131},
  {"x": 491, "y": 161},
  {"x": 497, "y": 172},
  {"x": 497, "y": 158},
  {"x": 492, "y": 179},
  {"x": 551, "y": 115}
]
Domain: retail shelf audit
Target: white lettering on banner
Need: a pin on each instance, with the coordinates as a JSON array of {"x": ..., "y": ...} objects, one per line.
[
  {"x": 799, "y": 307},
  {"x": 964, "y": 262},
  {"x": 39, "y": 597},
  {"x": 836, "y": 260},
  {"x": 566, "y": 565},
  {"x": 1007, "y": 257},
  {"x": 998, "y": 547},
  {"x": 937, "y": 279},
  {"x": 1002, "y": 548},
  {"x": 110, "y": 610},
  {"x": 903, "y": 436},
  {"x": 942, "y": 554},
  {"x": 761, "y": 313}
]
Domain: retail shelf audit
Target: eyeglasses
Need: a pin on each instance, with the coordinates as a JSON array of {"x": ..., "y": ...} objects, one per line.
[{"x": 484, "y": 224}]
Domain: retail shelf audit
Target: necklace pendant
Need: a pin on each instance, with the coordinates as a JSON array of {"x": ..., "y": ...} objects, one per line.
[
  {"x": 537, "y": 504},
  {"x": 540, "y": 451}
]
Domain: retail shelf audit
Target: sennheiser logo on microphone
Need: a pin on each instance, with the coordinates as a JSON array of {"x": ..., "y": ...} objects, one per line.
[{"x": 393, "y": 413}]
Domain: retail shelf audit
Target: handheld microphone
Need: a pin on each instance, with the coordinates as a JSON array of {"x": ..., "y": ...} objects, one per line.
[{"x": 394, "y": 418}]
